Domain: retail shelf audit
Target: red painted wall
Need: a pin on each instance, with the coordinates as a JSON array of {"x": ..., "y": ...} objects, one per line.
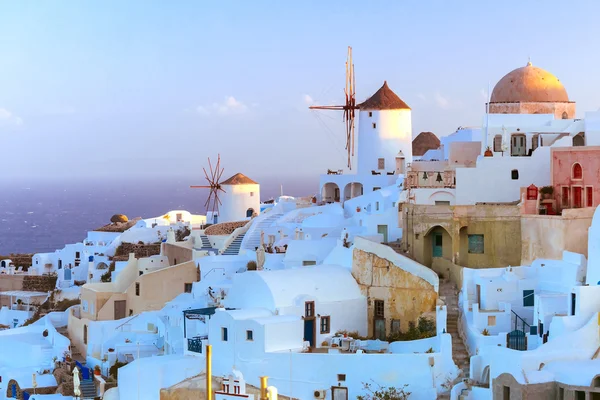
[{"x": 563, "y": 160}]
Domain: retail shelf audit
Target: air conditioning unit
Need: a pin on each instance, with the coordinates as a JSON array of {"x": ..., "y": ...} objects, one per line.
[{"x": 320, "y": 394}]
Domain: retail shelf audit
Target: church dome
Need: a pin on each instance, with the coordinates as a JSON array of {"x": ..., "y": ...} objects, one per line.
[{"x": 529, "y": 84}]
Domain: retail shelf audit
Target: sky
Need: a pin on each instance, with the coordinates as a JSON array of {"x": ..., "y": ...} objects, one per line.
[{"x": 149, "y": 89}]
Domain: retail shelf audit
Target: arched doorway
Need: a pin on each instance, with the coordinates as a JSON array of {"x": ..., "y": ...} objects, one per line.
[
  {"x": 485, "y": 376},
  {"x": 249, "y": 212},
  {"x": 437, "y": 244},
  {"x": 579, "y": 140},
  {"x": 353, "y": 190},
  {"x": 330, "y": 193}
]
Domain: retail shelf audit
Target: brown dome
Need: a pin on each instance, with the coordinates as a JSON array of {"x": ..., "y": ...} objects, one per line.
[
  {"x": 119, "y": 218},
  {"x": 423, "y": 142},
  {"x": 529, "y": 84}
]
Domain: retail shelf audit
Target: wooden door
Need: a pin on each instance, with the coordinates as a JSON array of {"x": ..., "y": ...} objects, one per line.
[
  {"x": 120, "y": 306},
  {"x": 437, "y": 245},
  {"x": 309, "y": 331},
  {"x": 383, "y": 230},
  {"x": 518, "y": 146},
  {"x": 380, "y": 329},
  {"x": 576, "y": 196}
]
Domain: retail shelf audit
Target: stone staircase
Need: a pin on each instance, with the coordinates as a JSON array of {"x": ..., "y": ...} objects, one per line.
[
  {"x": 205, "y": 243},
  {"x": 88, "y": 389},
  {"x": 253, "y": 235},
  {"x": 460, "y": 355},
  {"x": 234, "y": 246}
]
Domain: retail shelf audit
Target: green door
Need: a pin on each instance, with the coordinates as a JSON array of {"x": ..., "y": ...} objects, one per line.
[
  {"x": 437, "y": 245},
  {"x": 383, "y": 230}
]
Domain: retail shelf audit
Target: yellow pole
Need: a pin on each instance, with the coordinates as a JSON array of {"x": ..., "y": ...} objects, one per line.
[
  {"x": 209, "y": 372},
  {"x": 263, "y": 388}
]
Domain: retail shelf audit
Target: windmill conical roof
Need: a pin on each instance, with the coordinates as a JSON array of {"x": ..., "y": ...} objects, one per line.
[
  {"x": 239, "y": 179},
  {"x": 384, "y": 99}
]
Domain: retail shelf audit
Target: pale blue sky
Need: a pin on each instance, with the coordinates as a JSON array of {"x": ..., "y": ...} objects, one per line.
[{"x": 151, "y": 88}]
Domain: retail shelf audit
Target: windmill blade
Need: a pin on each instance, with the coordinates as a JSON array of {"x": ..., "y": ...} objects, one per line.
[
  {"x": 210, "y": 167},
  {"x": 217, "y": 198},
  {"x": 206, "y": 175},
  {"x": 218, "y": 182}
]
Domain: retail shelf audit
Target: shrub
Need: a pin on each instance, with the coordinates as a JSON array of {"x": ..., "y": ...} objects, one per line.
[
  {"x": 547, "y": 190},
  {"x": 251, "y": 266},
  {"x": 65, "y": 303},
  {"x": 182, "y": 233},
  {"x": 352, "y": 334},
  {"x": 425, "y": 329},
  {"x": 383, "y": 393},
  {"x": 485, "y": 332},
  {"x": 106, "y": 277}
]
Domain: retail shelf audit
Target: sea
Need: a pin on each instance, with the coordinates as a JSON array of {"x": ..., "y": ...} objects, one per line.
[{"x": 43, "y": 216}]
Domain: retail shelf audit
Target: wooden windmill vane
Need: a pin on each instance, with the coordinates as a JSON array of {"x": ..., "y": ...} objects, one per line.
[
  {"x": 214, "y": 184},
  {"x": 348, "y": 108}
]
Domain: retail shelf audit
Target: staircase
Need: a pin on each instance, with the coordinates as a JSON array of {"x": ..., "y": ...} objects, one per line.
[
  {"x": 449, "y": 293},
  {"x": 260, "y": 224},
  {"x": 88, "y": 389},
  {"x": 234, "y": 247},
  {"x": 205, "y": 243}
]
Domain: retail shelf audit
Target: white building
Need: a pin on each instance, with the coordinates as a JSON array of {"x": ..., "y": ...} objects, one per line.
[
  {"x": 241, "y": 200},
  {"x": 384, "y": 147}
]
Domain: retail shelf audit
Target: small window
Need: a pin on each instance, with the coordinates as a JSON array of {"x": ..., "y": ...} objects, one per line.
[
  {"x": 341, "y": 377},
  {"x": 589, "y": 195},
  {"x": 77, "y": 254},
  {"x": 565, "y": 115},
  {"x": 374, "y": 125},
  {"x": 251, "y": 194},
  {"x": 224, "y": 334},
  {"x": 527, "y": 298},
  {"x": 130, "y": 312},
  {"x": 393, "y": 204},
  {"x": 381, "y": 163},
  {"x": 370, "y": 113},
  {"x": 376, "y": 188},
  {"x": 141, "y": 273},
  {"x": 309, "y": 309},
  {"x": 577, "y": 171},
  {"x": 379, "y": 308},
  {"x": 491, "y": 320},
  {"x": 442, "y": 203},
  {"x": 137, "y": 288},
  {"x": 395, "y": 326},
  {"x": 249, "y": 336},
  {"x": 308, "y": 262},
  {"x": 498, "y": 143},
  {"x": 514, "y": 174},
  {"x": 376, "y": 206},
  {"x": 84, "y": 305},
  {"x": 187, "y": 288},
  {"x": 325, "y": 324},
  {"x": 476, "y": 244}
]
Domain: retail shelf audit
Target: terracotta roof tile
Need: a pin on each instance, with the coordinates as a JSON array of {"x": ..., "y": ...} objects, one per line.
[{"x": 384, "y": 99}]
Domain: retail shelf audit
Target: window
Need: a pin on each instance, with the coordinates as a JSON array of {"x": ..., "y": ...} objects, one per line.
[
  {"x": 224, "y": 334},
  {"x": 565, "y": 115},
  {"x": 514, "y": 174},
  {"x": 325, "y": 324},
  {"x": 374, "y": 125},
  {"x": 137, "y": 288},
  {"x": 84, "y": 305},
  {"x": 527, "y": 298},
  {"x": 376, "y": 188},
  {"x": 498, "y": 143},
  {"x": 565, "y": 197},
  {"x": 442, "y": 203},
  {"x": 370, "y": 113},
  {"x": 187, "y": 288},
  {"x": 491, "y": 320},
  {"x": 341, "y": 377},
  {"x": 179, "y": 217},
  {"x": 393, "y": 204},
  {"x": 249, "y": 336},
  {"x": 309, "y": 309},
  {"x": 379, "y": 309},
  {"x": 376, "y": 206},
  {"x": 589, "y": 196},
  {"x": 77, "y": 254},
  {"x": 308, "y": 262},
  {"x": 251, "y": 194},
  {"x": 476, "y": 244},
  {"x": 577, "y": 172},
  {"x": 395, "y": 326},
  {"x": 534, "y": 141},
  {"x": 381, "y": 163}
]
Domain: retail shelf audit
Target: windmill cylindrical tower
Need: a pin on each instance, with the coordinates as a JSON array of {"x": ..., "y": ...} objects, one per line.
[
  {"x": 384, "y": 129},
  {"x": 241, "y": 199}
]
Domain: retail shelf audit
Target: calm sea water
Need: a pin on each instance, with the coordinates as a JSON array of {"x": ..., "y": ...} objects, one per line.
[{"x": 44, "y": 216}]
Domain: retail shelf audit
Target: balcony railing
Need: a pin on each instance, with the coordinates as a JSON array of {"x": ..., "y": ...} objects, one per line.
[
  {"x": 430, "y": 179},
  {"x": 195, "y": 344}
]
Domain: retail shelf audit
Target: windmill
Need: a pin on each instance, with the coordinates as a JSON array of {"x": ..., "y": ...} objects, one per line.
[
  {"x": 347, "y": 108},
  {"x": 214, "y": 184}
]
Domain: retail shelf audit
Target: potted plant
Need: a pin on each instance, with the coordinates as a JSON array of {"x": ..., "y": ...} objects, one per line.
[
  {"x": 97, "y": 370},
  {"x": 547, "y": 192},
  {"x": 488, "y": 152}
]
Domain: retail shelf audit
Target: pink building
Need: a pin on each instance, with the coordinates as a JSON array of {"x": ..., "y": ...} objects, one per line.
[{"x": 576, "y": 176}]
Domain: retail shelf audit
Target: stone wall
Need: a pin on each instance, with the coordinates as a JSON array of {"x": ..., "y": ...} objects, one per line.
[
  {"x": 39, "y": 283},
  {"x": 535, "y": 108},
  {"x": 140, "y": 250},
  {"x": 406, "y": 296},
  {"x": 505, "y": 384},
  {"x": 19, "y": 260}
]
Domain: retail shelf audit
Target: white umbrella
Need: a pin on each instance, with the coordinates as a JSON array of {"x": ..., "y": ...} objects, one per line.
[
  {"x": 260, "y": 258},
  {"x": 76, "y": 382}
]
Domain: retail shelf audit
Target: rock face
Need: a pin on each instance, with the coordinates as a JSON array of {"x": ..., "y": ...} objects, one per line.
[
  {"x": 423, "y": 142},
  {"x": 119, "y": 218}
]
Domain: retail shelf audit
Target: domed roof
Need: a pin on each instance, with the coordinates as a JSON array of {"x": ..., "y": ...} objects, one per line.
[
  {"x": 423, "y": 142},
  {"x": 384, "y": 99},
  {"x": 529, "y": 84}
]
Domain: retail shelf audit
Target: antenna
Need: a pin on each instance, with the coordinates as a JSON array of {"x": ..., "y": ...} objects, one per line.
[{"x": 348, "y": 108}]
